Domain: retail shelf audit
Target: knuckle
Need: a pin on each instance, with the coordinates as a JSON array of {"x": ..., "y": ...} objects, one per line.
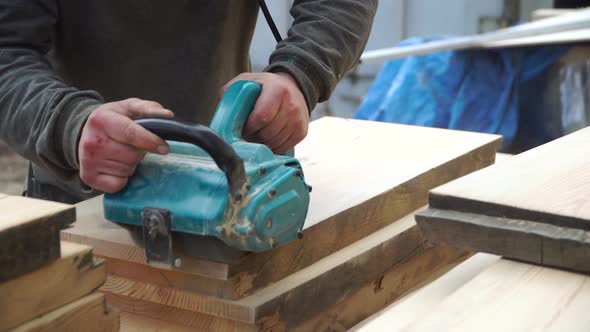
[
  {"x": 96, "y": 118},
  {"x": 129, "y": 133},
  {"x": 132, "y": 100},
  {"x": 291, "y": 107}
]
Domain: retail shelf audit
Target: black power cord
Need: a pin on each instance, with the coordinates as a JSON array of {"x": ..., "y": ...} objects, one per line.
[{"x": 270, "y": 21}]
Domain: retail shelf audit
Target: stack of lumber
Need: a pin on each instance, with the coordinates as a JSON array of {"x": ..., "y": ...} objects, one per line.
[
  {"x": 360, "y": 250},
  {"x": 528, "y": 217},
  {"x": 47, "y": 284},
  {"x": 533, "y": 207}
]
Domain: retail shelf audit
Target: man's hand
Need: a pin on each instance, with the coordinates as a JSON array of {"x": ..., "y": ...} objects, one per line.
[
  {"x": 280, "y": 117},
  {"x": 112, "y": 144}
]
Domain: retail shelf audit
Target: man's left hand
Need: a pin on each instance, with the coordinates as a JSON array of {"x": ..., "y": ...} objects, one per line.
[{"x": 280, "y": 117}]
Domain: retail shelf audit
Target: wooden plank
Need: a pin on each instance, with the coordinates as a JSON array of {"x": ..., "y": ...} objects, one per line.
[
  {"x": 576, "y": 20},
  {"x": 69, "y": 278},
  {"x": 29, "y": 233},
  {"x": 533, "y": 207},
  {"x": 89, "y": 313},
  {"x": 346, "y": 204},
  {"x": 524, "y": 240},
  {"x": 420, "y": 303},
  {"x": 299, "y": 297},
  {"x": 511, "y": 296},
  {"x": 136, "y": 323},
  {"x": 393, "y": 285}
]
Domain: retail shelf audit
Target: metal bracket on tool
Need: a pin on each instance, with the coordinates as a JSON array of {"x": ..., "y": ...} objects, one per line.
[{"x": 157, "y": 236}]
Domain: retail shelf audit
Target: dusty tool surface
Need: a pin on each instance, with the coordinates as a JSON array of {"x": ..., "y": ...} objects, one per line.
[
  {"x": 358, "y": 188},
  {"x": 533, "y": 207}
]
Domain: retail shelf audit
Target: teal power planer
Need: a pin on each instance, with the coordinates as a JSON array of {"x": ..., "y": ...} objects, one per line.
[{"x": 214, "y": 196}]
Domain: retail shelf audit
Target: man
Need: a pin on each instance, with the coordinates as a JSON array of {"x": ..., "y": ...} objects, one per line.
[{"x": 74, "y": 73}]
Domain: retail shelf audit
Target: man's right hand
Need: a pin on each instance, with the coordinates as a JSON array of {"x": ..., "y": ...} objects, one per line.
[{"x": 111, "y": 144}]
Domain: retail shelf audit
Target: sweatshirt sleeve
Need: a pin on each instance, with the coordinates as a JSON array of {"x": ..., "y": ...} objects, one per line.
[
  {"x": 41, "y": 117},
  {"x": 324, "y": 42}
]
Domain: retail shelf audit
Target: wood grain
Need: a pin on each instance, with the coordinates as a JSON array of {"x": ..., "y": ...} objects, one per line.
[
  {"x": 422, "y": 302},
  {"x": 86, "y": 314},
  {"x": 511, "y": 296},
  {"x": 533, "y": 242},
  {"x": 136, "y": 323},
  {"x": 532, "y": 207},
  {"x": 346, "y": 204},
  {"x": 393, "y": 285},
  {"x": 29, "y": 233},
  {"x": 301, "y": 296},
  {"x": 69, "y": 278},
  {"x": 549, "y": 184}
]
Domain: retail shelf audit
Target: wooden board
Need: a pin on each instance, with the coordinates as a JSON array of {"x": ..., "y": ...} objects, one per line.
[
  {"x": 512, "y": 36},
  {"x": 422, "y": 302},
  {"x": 89, "y": 313},
  {"x": 344, "y": 279},
  {"x": 533, "y": 207},
  {"x": 365, "y": 175},
  {"x": 511, "y": 296},
  {"x": 369, "y": 299},
  {"x": 29, "y": 233},
  {"x": 69, "y": 278},
  {"x": 136, "y": 323},
  {"x": 393, "y": 285}
]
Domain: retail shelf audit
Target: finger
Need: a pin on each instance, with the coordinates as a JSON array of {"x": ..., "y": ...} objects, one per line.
[
  {"x": 124, "y": 130},
  {"x": 115, "y": 168},
  {"x": 266, "y": 108},
  {"x": 271, "y": 133},
  {"x": 243, "y": 76},
  {"x": 122, "y": 153},
  {"x": 281, "y": 137},
  {"x": 295, "y": 136},
  {"x": 109, "y": 183},
  {"x": 288, "y": 144},
  {"x": 135, "y": 107}
]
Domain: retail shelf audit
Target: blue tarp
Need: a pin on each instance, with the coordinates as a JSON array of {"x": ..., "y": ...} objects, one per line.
[{"x": 476, "y": 90}]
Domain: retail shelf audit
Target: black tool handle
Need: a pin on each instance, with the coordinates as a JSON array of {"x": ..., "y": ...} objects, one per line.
[{"x": 222, "y": 153}]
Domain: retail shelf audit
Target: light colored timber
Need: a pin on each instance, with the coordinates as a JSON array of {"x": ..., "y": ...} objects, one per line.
[
  {"x": 360, "y": 185},
  {"x": 70, "y": 277},
  {"x": 88, "y": 314},
  {"x": 29, "y": 233},
  {"x": 421, "y": 302},
  {"x": 550, "y": 180},
  {"x": 512, "y": 296}
]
